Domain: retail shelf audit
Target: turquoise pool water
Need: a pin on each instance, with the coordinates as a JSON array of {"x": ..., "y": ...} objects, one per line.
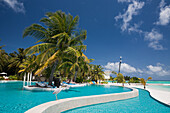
[
  {"x": 141, "y": 104},
  {"x": 15, "y": 100}
]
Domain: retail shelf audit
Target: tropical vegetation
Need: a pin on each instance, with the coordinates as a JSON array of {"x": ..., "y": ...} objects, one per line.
[
  {"x": 119, "y": 78},
  {"x": 59, "y": 50},
  {"x": 143, "y": 81}
]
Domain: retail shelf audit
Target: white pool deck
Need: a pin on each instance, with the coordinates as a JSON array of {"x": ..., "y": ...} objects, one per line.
[{"x": 160, "y": 95}]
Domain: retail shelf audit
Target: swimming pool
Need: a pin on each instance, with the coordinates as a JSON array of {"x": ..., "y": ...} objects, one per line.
[
  {"x": 15, "y": 100},
  {"x": 141, "y": 104}
]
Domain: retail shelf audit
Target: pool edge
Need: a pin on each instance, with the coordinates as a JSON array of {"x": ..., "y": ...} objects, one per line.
[
  {"x": 151, "y": 94},
  {"x": 70, "y": 103}
]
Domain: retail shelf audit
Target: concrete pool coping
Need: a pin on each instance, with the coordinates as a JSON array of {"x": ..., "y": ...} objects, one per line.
[
  {"x": 159, "y": 95},
  {"x": 70, "y": 103}
]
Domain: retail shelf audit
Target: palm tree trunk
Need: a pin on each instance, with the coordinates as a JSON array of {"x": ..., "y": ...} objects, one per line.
[{"x": 52, "y": 73}]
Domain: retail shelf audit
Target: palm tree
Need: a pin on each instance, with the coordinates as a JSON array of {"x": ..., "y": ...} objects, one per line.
[
  {"x": 71, "y": 66},
  {"x": 1, "y": 59},
  {"x": 119, "y": 78},
  {"x": 4, "y": 62},
  {"x": 17, "y": 59},
  {"x": 97, "y": 73},
  {"x": 57, "y": 38},
  {"x": 29, "y": 65},
  {"x": 85, "y": 68},
  {"x": 143, "y": 81},
  {"x": 74, "y": 63}
]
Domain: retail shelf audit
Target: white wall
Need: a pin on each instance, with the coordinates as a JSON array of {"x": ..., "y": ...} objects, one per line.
[{"x": 107, "y": 75}]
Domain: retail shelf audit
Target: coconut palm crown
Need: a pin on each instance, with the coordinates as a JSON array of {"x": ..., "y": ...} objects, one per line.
[
  {"x": 143, "y": 81},
  {"x": 119, "y": 78},
  {"x": 57, "y": 37}
]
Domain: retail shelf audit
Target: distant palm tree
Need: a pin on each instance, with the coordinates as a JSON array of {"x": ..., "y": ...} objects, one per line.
[
  {"x": 1, "y": 46},
  {"x": 76, "y": 64},
  {"x": 97, "y": 73},
  {"x": 4, "y": 62},
  {"x": 57, "y": 38},
  {"x": 84, "y": 68},
  {"x": 1, "y": 58},
  {"x": 119, "y": 78},
  {"x": 143, "y": 81},
  {"x": 72, "y": 64},
  {"x": 29, "y": 65},
  {"x": 17, "y": 58}
]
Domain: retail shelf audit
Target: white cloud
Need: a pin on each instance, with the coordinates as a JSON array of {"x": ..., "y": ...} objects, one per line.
[
  {"x": 150, "y": 70},
  {"x": 135, "y": 28},
  {"x": 162, "y": 4},
  {"x": 164, "y": 16},
  {"x": 139, "y": 70},
  {"x": 127, "y": 16},
  {"x": 15, "y": 5},
  {"x": 157, "y": 70},
  {"x": 154, "y": 68},
  {"x": 125, "y": 68},
  {"x": 154, "y": 37},
  {"x": 125, "y": 0}
]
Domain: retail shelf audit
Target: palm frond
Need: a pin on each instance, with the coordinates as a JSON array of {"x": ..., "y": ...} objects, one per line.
[
  {"x": 38, "y": 48},
  {"x": 65, "y": 64},
  {"x": 60, "y": 35},
  {"x": 50, "y": 61},
  {"x": 35, "y": 30},
  {"x": 73, "y": 24}
]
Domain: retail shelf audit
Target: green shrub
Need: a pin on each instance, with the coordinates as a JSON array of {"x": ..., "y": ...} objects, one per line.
[
  {"x": 136, "y": 81},
  {"x": 135, "y": 78},
  {"x": 133, "y": 81},
  {"x": 104, "y": 82},
  {"x": 79, "y": 79},
  {"x": 1, "y": 78},
  {"x": 86, "y": 80},
  {"x": 63, "y": 78},
  {"x": 13, "y": 77}
]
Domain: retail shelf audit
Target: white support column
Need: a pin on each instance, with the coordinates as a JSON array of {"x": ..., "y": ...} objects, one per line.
[
  {"x": 28, "y": 79},
  {"x": 24, "y": 79}
]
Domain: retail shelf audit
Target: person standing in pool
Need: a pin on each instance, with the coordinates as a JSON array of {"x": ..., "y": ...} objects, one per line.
[{"x": 57, "y": 81}]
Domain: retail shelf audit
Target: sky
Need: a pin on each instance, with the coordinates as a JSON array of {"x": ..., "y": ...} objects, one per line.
[{"x": 137, "y": 30}]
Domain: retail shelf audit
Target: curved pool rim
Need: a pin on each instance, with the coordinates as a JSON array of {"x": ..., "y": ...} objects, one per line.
[
  {"x": 71, "y": 103},
  {"x": 157, "y": 99},
  {"x": 168, "y": 105}
]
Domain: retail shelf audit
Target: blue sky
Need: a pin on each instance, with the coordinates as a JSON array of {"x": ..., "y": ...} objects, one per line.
[{"x": 137, "y": 30}]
